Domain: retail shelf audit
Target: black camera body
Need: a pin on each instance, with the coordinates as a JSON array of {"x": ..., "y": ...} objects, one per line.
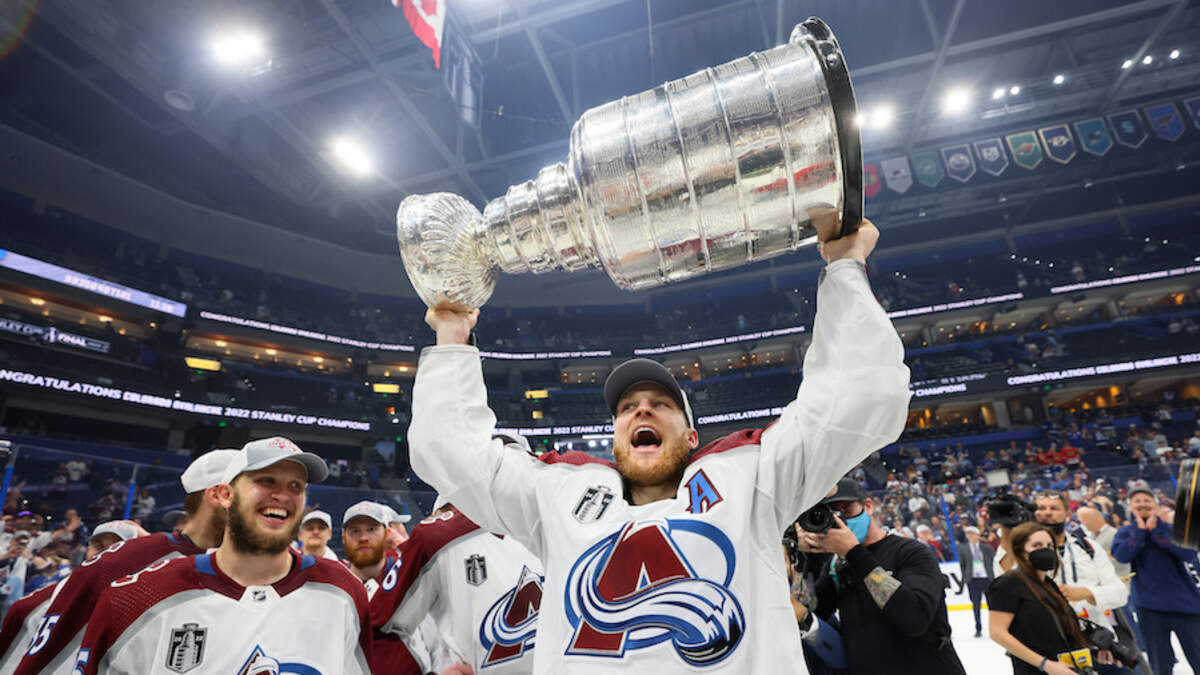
[
  {"x": 1104, "y": 639},
  {"x": 818, "y": 519},
  {"x": 1009, "y": 510}
]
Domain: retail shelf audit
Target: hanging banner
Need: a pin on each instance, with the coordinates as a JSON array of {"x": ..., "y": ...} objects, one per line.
[
  {"x": 928, "y": 168},
  {"x": 960, "y": 165},
  {"x": 1094, "y": 136},
  {"x": 1128, "y": 128},
  {"x": 1165, "y": 121},
  {"x": 1025, "y": 149},
  {"x": 992, "y": 158},
  {"x": 871, "y": 184},
  {"x": 897, "y": 174},
  {"x": 1193, "y": 107},
  {"x": 1060, "y": 145}
]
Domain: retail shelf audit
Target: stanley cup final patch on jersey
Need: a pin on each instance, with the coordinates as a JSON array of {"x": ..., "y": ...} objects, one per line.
[
  {"x": 187, "y": 648},
  {"x": 476, "y": 569},
  {"x": 593, "y": 504}
]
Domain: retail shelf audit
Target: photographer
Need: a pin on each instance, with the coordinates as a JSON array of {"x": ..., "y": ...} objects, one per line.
[
  {"x": 1027, "y": 614},
  {"x": 1164, "y": 594},
  {"x": 887, "y": 591},
  {"x": 1086, "y": 576},
  {"x": 1007, "y": 511}
]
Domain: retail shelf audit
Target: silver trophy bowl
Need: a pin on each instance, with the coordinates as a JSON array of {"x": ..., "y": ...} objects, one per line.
[{"x": 731, "y": 165}]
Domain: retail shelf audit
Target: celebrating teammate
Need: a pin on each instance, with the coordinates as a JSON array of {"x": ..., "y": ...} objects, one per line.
[
  {"x": 316, "y": 529},
  {"x": 482, "y": 591},
  {"x": 253, "y": 605},
  {"x": 57, "y": 639},
  {"x": 667, "y": 559}
]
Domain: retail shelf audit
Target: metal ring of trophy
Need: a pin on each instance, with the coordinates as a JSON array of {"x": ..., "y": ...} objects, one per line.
[{"x": 734, "y": 164}]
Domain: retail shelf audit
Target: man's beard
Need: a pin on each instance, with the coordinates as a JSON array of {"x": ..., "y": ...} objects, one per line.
[
  {"x": 246, "y": 538},
  {"x": 669, "y": 465},
  {"x": 366, "y": 558}
]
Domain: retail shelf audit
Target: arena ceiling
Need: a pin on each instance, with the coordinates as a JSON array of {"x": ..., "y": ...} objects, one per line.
[{"x": 92, "y": 76}]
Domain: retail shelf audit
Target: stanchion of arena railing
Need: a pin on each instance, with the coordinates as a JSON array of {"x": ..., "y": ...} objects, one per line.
[
  {"x": 950, "y": 530},
  {"x": 6, "y": 446},
  {"x": 132, "y": 489}
]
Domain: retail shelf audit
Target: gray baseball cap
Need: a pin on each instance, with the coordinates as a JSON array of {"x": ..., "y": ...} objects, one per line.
[
  {"x": 636, "y": 371},
  {"x": 264, "y": 452}
]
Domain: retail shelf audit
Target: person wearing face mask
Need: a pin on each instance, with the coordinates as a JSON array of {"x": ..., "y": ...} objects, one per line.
[
  {"x": 1086, "y": 576},
  {"x": 888, "y": 592}
]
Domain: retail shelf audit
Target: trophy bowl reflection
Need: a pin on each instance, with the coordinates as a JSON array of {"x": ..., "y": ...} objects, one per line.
[{"x": 731, "y": 165}]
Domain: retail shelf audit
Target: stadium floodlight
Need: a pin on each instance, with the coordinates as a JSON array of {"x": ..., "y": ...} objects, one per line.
[
  {"x": 1059, "y": 79},
  {"x": 998, "y": 93},
  {"x": 1147, "y": 60},
  {"x": 956, "y": 100},
  {"x": 883, "y": 117},
  {"x": 1014, "y": 90},
  {"x": 239, "y": 48},
  {"x": 352, "y": 156},
  {"x": 1174, "y": 54},
  {"x": 1127, "y": 64}
]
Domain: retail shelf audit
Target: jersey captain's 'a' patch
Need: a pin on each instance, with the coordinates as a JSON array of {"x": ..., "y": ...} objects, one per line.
[{"x": 702, "y": 494}]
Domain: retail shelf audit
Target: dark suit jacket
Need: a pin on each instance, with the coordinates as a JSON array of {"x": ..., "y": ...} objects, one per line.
[{"x": 966, "y": 561}]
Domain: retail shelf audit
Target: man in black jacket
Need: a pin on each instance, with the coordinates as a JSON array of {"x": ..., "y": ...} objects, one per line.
[
  {"x": 888, "y": 592},
  {"x": 975, "y": 559}
]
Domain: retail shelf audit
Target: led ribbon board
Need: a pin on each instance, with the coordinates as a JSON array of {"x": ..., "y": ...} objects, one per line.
[{"x": 62, "y": 275}]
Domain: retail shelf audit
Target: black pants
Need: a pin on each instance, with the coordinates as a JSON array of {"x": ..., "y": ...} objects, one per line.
[{"x": 976, "y": 587}]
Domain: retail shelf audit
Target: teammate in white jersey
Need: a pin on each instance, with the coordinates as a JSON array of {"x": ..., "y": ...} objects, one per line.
[
  {"x": 316, "y": 529},
  {"x": 669, "y": 559},
  {"x": 253, "y": 605},
  {"x": 57, "y": 638},
  {"x": 482, "y": 590}
]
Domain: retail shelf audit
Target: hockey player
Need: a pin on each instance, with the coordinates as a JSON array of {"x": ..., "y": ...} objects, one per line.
[
  {"x": 57, "y": 639},
  {"x": 316, "y": 529},
  {"x": 251, "y": 606},
  {"x": 397, "y": 533},
  {"x": 364, "y": 538},
  {"x": 668, "y": 559},
  {"x": 482, "y": 590},
  {"x": 23, "y": 619}
]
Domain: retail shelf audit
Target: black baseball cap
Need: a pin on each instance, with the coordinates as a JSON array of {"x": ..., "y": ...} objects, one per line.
[
  {"x": 636, "y": 371},
  {"x": 848, "y": 490}
]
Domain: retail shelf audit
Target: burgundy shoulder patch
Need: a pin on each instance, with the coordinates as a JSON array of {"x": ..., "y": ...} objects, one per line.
[
  {"x": 735, "y": 440},
  {"x": 575, "y": 458}
]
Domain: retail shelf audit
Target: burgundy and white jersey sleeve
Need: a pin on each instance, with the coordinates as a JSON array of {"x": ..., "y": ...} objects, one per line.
[
  {"x": 22, "y": 622},
  {"x": 68, "y": 614},
  {"x": 186, "y": 615}
]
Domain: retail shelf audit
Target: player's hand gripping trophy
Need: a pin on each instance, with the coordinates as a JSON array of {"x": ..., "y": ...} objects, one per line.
[{"x": 733, "y": 164}]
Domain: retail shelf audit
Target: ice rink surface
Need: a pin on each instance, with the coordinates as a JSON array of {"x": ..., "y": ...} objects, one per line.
[{"x": 981, "y": 656}]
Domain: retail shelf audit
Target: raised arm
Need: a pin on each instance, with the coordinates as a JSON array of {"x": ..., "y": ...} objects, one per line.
[
  {"x": 853, "y": 399},
  {"x": 451, "y": 442}
]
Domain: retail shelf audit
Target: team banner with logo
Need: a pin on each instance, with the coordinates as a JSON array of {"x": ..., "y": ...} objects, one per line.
[
  {"x": 1060, "y": 145},
  {"x": 1165, "y": 121},
  {"x": 960, "y": 165},
  {"x": 871, "y": 184},
  {"x": 992, "y": 158},
  {"x": 1026, "y": 151},
  {"x": 1094, "y": 136},
  {"x": 928, "y": 168},
  {"x": 1128, "y": 128},
  {"x": 1193, "y": 107},
  {"x": 897, "y": 174}
]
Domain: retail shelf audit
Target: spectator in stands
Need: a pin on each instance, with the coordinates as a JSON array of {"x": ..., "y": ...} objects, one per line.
[
  {"x": 1165, "y": 596},
  {"x": 925, "y": 536},
  {"x": 144, "y": 504},
  {"x": 975, "y": 560}
]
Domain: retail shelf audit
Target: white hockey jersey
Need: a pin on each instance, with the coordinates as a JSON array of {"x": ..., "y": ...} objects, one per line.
[
  {"x": 186, "y": 615},
  {"x": 22, "y": 622},
  {"x": 483, "y": 592},
  {"x": 695, "y": 582}
]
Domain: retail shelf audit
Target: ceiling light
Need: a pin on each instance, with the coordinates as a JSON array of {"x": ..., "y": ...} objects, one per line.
[
  {"x": 1014, "y": 90},
  {"x": 1174, "y": 54},
  {"x": 221, "y": 343},
  {"x": 883, "y": 117},
  {"x": 319, "y": 359},
  {"x": 352, "y": 156},
  {"x": 956, "y": 100},
  {"x": 1059, "y": 79},
  {"x": 238, "y": 48},
  {"x": 998, "y": 94},
  {"x": 37, "y": 301},
  {"x": 1147, "y": 60},
  {"x": 271, "y": 352},
  {"x": 1127, "y": 64}
]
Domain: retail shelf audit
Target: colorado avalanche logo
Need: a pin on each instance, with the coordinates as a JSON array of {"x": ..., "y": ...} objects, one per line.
[
  {"x": 636, "y": 588},
  {"x": 509, "y": 627}
]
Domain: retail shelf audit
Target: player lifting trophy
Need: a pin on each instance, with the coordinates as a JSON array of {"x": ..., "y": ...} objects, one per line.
[{"x": 668, "y": 558}]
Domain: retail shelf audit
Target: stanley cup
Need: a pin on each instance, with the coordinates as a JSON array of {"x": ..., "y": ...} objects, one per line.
[{"x": 730, "y": 165}]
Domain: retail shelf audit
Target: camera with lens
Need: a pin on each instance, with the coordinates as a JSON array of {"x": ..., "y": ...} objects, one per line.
[
  {"x": 1104, "y": 639},
  {"x": 818, "y": 519},
  {"x": 1009, "y": 510}
]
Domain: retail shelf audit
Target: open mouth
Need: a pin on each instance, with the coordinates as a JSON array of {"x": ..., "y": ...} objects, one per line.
[
  {"x": 645, "y": 439},
  {"x": 274, "y": 515}
]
